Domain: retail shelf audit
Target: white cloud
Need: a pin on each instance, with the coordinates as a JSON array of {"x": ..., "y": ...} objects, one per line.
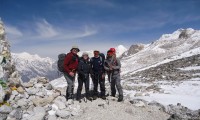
[
  {"x": 45, "y": 30},
  {"x": 13, "y": 31}
]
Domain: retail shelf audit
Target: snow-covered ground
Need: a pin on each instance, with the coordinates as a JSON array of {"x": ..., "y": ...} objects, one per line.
[
  {"x": 191, "y": 68},
  {"x": 187, "y": 93}
]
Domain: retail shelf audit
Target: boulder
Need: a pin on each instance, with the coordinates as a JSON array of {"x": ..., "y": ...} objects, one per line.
[
  {"x": 60, "y": 104},
  {"x": 49, "y": 87},
  {"x": 20, "y": 90},
  {"x": 42, "y": 101},
  {"x": 42, "y": 80},
  {"x": 63, "y": 113},
  {"x": 2, "y": 94},
  {"x": 39, "y": 113},
  {"x": 52, "y": 117},
  {"x": 14, "y": 81},
  {"x": 28, "y": 84},
  {"x": 22, "y": 102},
  {"x": 38, "y": 85},
  {"x": 4, "y": 109},
  {"x": 32, "y": 91},
  {"x": 17, "y": 114}
]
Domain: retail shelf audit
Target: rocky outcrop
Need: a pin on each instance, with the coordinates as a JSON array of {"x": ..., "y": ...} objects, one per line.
[
  {"x": 171, "y": 70},
  {"x": 133, "y": 50},
  {"x": 36, "y": 102}
]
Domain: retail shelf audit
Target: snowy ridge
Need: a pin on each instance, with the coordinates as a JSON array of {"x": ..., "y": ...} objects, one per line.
[
  {"x": 31, "y": 66},
  {"x": 167, "y": 46}
]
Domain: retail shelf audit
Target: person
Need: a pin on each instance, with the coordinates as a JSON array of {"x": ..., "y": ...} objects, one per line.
[
  {"x": 84, "y": 70},
  {"x": 112, "y": 66},
  {"x": 98, "y": 75},
  {"x": 70, "y": 68}
]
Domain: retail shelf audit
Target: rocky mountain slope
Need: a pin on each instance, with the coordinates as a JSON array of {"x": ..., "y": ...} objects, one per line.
[
  {"x": 30, "y": 66},
  {"x": 166, "y": 71},
  {"x": 167, "y": 46}
]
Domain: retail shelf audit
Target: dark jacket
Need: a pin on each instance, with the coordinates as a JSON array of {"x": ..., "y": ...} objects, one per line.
[
  {"x": 97, "y": 65},
  {"x": 84, "y": 68},
  {"x": 71, "y": 63}
]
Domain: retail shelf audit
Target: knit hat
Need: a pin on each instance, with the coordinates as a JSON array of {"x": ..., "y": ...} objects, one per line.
[{"x": 85, "y": 53}]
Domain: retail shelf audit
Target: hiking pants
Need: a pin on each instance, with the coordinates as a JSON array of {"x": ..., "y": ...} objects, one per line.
[
  {"x": 97, "y": 79},
  {"x": 70, "y": 84},
  {"x": 116, "y": 81},
  {"x": 86, "y": 81}
]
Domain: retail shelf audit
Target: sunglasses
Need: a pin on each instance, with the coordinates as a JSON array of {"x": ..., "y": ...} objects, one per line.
[{"x": 75, "y": 50}]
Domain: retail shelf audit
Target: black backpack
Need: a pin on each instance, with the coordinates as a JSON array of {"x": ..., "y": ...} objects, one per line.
[{"x": 60, "y": 63}]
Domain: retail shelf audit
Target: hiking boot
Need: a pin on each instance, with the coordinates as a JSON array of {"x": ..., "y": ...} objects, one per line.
[
  {"x": 113, "y": 95},
  {"x": 94, "y": 97},
  {"x": 89, "y": 98},
  {"x": 71, "y": 96},
  {"x": 103, "y": 97},
  {"x": 120, "y": 98}
]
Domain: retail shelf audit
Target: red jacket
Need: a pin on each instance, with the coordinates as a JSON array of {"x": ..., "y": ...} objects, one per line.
[{"x": 71, "y": 63}]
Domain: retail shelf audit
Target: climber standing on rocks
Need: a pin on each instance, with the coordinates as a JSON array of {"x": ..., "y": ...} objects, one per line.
[
  {"x": 98, "y": 74},
  {"x": 70, "y": 68},
  {"x": 84, "y": 69},
  {"x": 112, "y": 66}
]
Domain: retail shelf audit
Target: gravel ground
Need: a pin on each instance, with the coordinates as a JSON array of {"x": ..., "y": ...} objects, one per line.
[{"x": 111, "y": 109}]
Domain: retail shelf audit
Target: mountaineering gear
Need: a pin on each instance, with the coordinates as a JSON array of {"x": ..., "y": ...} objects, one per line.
[
  {"x": 70, "y": 63},
  {"x": 60, "y": 62},
  {"x": 112, "y": 66},
  {"x": 84, "y": 70},
  {"x": 120, "y": 98},
  {"x": 70, "y": 68},
  {"x": 75, "y": 47}
]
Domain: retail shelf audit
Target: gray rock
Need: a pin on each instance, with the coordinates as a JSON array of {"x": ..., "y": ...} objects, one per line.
[
  {"x": 39, "y": 114},
  {"x": 17, "y": 114},
  {"x": 27, "y": 85},
  {"x": 2, "y": 94},
  {"x": 5, "y": 109},
  {"x": 60, "y": 104},
  {"x": 22, "y": 102},
  {"x": 14, "y": 92},
  {"x": 14, "y": 81},
  {"x": 52, "y": 117},
  {"x": 3, "y": 116},
  {"x": 43, "y": 80},
  {"x": 42, "y": 101},
  {"x": 63, "y": 113},
  {"x": 49, "y": 87},
  {"x": 32, "y": 91},
  {"x": 38, "y": 85}
]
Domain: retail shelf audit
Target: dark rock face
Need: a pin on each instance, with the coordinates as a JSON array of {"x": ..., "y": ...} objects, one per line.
[
  {"x": 184, "y": 35},
  {"x": 179, "y": 112},
  {"x": 170, "y": 71},
  {"x": 133, "y": 49}
]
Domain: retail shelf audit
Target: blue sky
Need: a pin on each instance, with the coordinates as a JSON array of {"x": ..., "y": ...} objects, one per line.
[{"x": 50, "y": 27}]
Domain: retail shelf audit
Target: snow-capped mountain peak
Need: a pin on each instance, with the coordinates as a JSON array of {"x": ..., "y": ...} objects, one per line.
[
  {"x": 31, "y": 66},
  {"x": 120, "y": 50}
]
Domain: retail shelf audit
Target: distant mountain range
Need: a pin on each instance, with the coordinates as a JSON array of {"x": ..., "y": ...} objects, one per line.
[{"x": 137, "y": 57}]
